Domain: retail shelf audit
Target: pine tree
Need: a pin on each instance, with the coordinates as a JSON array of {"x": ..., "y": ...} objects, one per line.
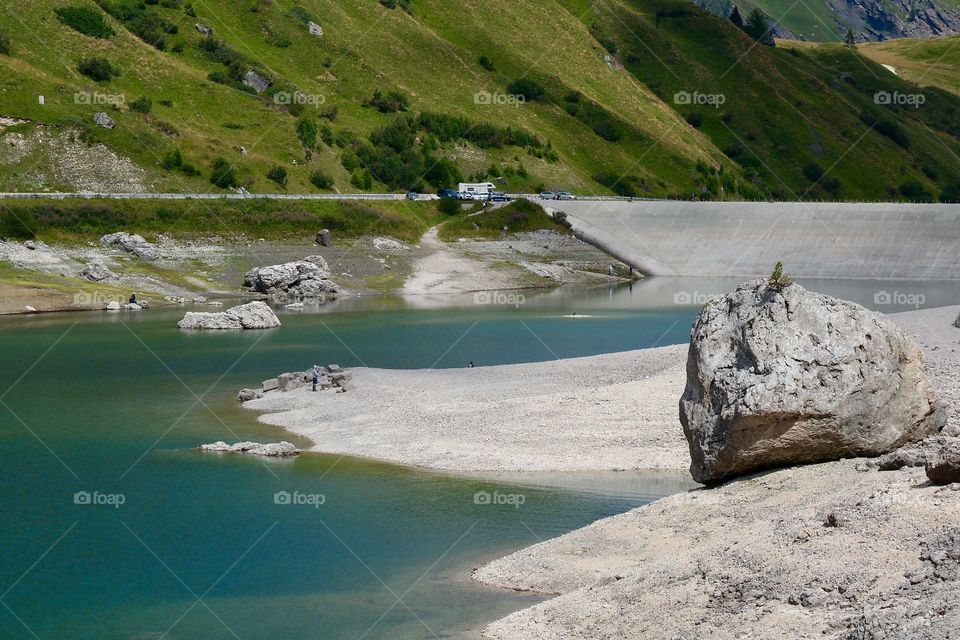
[
  {"x": 758, "y": 28},
  {"x": 736, "y": 18},
  {"x": 851, "y": 39}
]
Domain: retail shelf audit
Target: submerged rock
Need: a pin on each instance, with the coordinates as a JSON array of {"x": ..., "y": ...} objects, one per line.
[
  {"x": 304, "y": 279},
  {"x": 271, "y": 449},
  {"x": 786, "y": 377},
  {"x": 132, "y": 243},
  {"x": 253, "y": 315}
]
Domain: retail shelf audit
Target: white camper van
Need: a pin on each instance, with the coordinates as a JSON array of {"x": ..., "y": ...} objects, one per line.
[{"x": 475, "y": 190}]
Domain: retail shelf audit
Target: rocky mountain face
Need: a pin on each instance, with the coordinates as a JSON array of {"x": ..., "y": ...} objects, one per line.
[{"x": 884, "y": 19}]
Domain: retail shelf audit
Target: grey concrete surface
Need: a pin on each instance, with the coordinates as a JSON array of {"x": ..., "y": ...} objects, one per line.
[{"x": 814, "y": 240}]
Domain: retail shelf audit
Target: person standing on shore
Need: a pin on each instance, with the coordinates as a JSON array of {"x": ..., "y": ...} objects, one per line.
[{"x": 315, "y": 374}]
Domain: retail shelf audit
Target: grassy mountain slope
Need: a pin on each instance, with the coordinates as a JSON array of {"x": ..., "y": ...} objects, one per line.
[
  {"x": 933, "y": 62},
  {"x": 607, "y": 121},
  {"x": 431, "y": 57},
  {"x": 806, "y": 121}
]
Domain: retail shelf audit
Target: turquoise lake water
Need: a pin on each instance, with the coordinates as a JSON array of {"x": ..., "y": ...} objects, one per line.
[{"x": 108, "y": 409}]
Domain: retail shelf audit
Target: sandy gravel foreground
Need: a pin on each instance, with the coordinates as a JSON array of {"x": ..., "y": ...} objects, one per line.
[
  {"x": 613, "y": 411},
  {"x": 835, "y": 550}
]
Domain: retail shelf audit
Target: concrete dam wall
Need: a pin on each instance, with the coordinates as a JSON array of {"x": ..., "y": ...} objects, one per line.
[{"x": 814, "y": 240}]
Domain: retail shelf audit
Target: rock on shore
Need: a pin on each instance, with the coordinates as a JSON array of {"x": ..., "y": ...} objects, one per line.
[
  {"x": 132, "y": 243},
  {"x": 780, "y": 377},
  {"x": 304, "y": 279},
  {"x": 271, "y": 449},
  {"x": 253, "y": 315}
]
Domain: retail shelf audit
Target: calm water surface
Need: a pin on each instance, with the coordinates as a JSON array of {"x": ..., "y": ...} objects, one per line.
[{"x": 110, "y": 407}]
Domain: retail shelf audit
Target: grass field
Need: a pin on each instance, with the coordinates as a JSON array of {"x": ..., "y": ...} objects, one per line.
[{"x": 934, "y": 62}]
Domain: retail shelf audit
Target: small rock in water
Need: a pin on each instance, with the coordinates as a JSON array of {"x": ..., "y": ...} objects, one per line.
[
  {"x": 245, "y": 395},
  {"x": 30, "y": 309},
  {"x": 272, "y": 449}
]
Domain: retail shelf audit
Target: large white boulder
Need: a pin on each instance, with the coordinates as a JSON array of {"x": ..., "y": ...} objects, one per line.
[
  {"x": 304, "y": 279},
  {"x": 781, "y": 377},
  {"x": 253, "y": 315}
]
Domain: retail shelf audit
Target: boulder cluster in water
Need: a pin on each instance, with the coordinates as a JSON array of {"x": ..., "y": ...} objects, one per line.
[
  {"x": 779, "y": 376},
  {"x": 332, "y": 376},
  {"x": 270, "y": 449}
]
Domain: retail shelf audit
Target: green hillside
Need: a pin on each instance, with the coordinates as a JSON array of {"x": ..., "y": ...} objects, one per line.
[
  {"x": 388, "y": 99},
  {"x": 934, "y": 62},
  {"x": 807, "y": 123}
]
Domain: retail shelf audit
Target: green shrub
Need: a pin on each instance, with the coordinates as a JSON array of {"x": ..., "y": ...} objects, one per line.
[
  {"x": 813, "y": 172},
  {"x": 85, "y": 20},
  {"x": 486, "y": 63},
  {"x": 307, "y": 132},
  {"x": 5, "y": 48},
  {"x": 389, "y": 102},
  {"x": 222, "y": 174},
  {"x": 143, "y": 104},
  {"x": 529, "y": 89},
  {"x": 914, "y": 192},
  {"x": 97, "y": 69},
  {"x": 143, "y": 22},
  {"x": 694, "y": 119},
  {"x": 361, "y": 179},
  {"x": 321, "y": 180},
  {"x": 450, "y": 206},
  {"x": 278, "y": 174},
  {"x": 778, "y": 281}
]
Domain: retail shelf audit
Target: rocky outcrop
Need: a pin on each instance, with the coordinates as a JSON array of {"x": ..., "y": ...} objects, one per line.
[
  {"x": 781, "y": 377},
  {"x": 256, "y": 81},
  {"x": 943, "y": 462},
  {"x": 104, "y": 120},
  {"x": 96, "y": 271},
  {"x": 880, "y": 20},
  {"x": 132, "y": 243},
  {"x": 253, "y": 315},
  {"x": 956, "y": 322},
  {"x": 307, "y": 279},
  {"x": 271, "y": 449}
]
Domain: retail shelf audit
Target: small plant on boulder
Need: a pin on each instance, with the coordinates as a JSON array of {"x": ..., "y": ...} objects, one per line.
[{"x": 778, "y": 281}]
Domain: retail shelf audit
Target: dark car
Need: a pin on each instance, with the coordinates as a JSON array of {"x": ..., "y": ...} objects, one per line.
[
  {"x": 449, "y": 193},
  {"x": 499, "y": 196}
]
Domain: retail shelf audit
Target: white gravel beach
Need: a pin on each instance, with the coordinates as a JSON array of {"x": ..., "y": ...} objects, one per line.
[{"x": 613, "y": 411}]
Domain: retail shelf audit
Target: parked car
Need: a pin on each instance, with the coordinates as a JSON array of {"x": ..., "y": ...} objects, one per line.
[
  {"x": 464, "y": 195},
  {"x": 499, "y": 196},
  {"x": 563, "y": 195},
  {"x": 449, "y": 193},
  {"x": 412, "y": 195},
  {"x": 546, "y": 195},
  {"x": 481, "y": 196}
]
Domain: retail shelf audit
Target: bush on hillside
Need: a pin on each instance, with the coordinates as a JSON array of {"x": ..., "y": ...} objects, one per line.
[
  {"x": 889, "y": 128},
  {"x": 143, "y": 22},
  {"x": 307, "y": 132},
  {"x": 5, "y": 48},
  {"x": 486, "y": 63},
  {"x": 913, "y": 191},
  {"x": 450, "y": 206},
  {"x": 389, "y": 102},
  {"x": 813, "y": 172},
  {"x": 278, "y": 174},
  {"x": 529, "y": 89},
  {"x": 222, "y": 174},
  {"x": 85, "y": 20},
  {"x": 321, "y": 180},
  {"x": 143, "y": 104},
  {"x": 97, "y": 69}
]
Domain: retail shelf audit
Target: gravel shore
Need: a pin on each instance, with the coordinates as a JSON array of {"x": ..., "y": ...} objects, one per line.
[
  {"x": 835, "y": 550},
  {"x": 612, "y": 411}
]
